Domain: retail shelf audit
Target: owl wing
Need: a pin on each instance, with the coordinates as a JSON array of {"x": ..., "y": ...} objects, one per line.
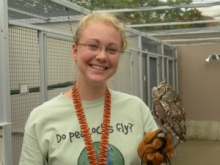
[
  {"x": 161, "y": 116},
  {"x": 175, "y": 119}
]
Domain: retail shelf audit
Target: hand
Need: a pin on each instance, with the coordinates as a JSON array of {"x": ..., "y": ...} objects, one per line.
[{"x": 154, "y": 146}]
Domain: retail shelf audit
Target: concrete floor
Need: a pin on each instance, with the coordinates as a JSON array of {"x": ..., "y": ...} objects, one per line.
[{"x": 197, "y": 153}]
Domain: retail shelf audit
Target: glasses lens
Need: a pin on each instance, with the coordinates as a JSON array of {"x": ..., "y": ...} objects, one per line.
[
  {"x": 112, "y": 51},
  {"x": 95, "y": 47}
]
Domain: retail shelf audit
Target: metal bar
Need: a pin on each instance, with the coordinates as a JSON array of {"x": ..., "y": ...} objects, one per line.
[
  {"x": 131, "y": 72},
  {"x": 144, "y": 34},
  {"x": 72, "y": 6},
  {"x": 35, "y": 27},
  {"x": 148, "y": 84},
  {"x": 187, "y": 44},
  {"x": 28, "y": 14},
  {"x": 162, "y": 52},
  {"x": 182, "y": 32},
  {"x": 173, "y": 72},
  {"x": 140, "y": 69},
  {"x": 196, "y": 39},
  {"x": 172, "y": 23},
  {"x": 176, "y": 75},
  {"x": 158, "y": 72},
  {"x": 43, "y": 67},
  {"x": 153, "y": 8},
  {"x": 5, "y": 100},
  {"x": 167, "y": 71},
  {"x": 57, "y": 19},
  {"x": 157, "y": 55},
  {"x": 64, "y": 38}
]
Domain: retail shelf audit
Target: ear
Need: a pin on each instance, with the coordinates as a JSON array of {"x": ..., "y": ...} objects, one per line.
[{"x": 74, "y": 51}]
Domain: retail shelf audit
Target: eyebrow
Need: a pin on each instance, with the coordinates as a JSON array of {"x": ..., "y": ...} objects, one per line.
[{"x": 112, "y": 43}]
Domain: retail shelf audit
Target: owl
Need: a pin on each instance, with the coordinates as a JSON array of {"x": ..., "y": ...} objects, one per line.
[{"x": 168, "y": 111}]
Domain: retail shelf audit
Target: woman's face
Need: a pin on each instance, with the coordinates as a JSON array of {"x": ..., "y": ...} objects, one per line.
[{"x": 96, "y": 66}]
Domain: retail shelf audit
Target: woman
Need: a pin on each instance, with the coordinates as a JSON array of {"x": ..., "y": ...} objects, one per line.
[{"x": 89, "y": 124}]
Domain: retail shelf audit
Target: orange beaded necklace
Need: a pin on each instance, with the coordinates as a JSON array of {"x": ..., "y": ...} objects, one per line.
[{"x": 85, "y": 129}]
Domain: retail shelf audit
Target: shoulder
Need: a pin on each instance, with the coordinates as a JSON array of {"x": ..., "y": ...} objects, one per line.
[
  {"x": 51, "y": 107},
  {"x": 49, "y": 113},
  {"x": 120, "y": 96},
  {"x": 54, "y": 102},
  {"x": 127, "y": 100},
  {"x": 134, "y": 108}
]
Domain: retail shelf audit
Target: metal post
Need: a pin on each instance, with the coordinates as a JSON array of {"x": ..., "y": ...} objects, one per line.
[
  {"x": 140, "y": 68},
  {"x": 131, "y": 72},
  {"x": 43, "y": 67},
  {"x": 148, "y": 83},
  {"x": 176, "y": 75},
  {"x": 162, "y": 62},
  {"x": 5, "y": 101}
]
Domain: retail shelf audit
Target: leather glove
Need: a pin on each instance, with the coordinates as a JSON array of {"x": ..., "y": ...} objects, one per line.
[{"x": 154, "y": 146}]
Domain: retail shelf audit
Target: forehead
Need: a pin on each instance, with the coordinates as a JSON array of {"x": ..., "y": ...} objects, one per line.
[{"x": 102, "y": 32}]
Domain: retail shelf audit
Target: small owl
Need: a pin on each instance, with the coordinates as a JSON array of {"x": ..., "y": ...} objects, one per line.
[{"x": 168, "y": 111}]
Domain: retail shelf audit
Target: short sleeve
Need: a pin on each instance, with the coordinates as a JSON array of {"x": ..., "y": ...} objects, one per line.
[{"x": 147, "y": 118}]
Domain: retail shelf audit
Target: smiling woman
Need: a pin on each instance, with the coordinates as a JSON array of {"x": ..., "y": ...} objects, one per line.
[
  {"x": 91, "y": 124},
  {"x": 98, "y": 59}
]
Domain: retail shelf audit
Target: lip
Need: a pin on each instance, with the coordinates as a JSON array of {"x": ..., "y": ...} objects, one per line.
[{"x": 98, "y": 67}]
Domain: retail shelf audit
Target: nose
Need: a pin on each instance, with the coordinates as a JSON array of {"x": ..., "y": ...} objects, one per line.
[{"x": 101, "y": 55}]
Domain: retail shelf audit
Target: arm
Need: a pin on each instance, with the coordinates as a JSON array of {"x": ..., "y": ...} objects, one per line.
[
  {"x": 149, "y": 124},
  {"x": 31, "y": 153},
  {"x": 151, "y": 146}
]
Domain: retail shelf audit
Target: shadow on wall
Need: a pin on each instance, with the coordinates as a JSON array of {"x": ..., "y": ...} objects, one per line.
[{"x": 203, "y": 130}]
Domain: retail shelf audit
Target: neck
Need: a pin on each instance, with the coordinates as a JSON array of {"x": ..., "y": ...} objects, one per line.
[{"x": 89, "y": 92}]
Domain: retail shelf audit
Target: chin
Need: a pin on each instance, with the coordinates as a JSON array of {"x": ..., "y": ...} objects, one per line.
[{"x": 98, "y": 81}]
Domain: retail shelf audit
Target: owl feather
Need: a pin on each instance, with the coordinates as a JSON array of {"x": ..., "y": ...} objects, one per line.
[{"x": 168, "y": 111}]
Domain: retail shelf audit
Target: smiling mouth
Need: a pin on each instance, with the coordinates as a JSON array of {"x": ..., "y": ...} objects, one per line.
[{"x": 98, "y": 67}]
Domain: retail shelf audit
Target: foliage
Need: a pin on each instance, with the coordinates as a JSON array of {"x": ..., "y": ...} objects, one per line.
[
  {"x": 142, "y": 17},
  {"x": 49, "y": 9}
]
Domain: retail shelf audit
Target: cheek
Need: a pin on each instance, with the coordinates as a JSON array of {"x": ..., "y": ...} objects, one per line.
[
  {"x": 84, "y": 57},
  {"x": 115, "y": 61}
]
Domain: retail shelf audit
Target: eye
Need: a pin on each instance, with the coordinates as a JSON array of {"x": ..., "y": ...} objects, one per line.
[
  {"x": 112, "y": 50},
  {"x": 159, "y": 89},
  {"x": 93, "y": 46}
]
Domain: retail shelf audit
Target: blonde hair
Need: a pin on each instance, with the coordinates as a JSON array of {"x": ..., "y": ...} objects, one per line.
[{"x": 100, "y": 17}]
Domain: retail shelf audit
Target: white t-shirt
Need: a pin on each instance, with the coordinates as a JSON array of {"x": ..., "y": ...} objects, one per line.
[{"x": 52, "y": 132}]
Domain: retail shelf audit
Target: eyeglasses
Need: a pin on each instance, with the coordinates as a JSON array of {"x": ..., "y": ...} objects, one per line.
[{"x": 96, "y": 48}]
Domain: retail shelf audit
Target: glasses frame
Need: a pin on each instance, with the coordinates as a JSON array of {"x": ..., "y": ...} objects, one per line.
[{"x": 100, "y": 48}]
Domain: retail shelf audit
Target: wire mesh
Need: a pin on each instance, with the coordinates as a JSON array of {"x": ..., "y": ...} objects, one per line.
[
  {"x": 123, "y": 74},
  {"x": 24, "y": 68},
  {"x": 150, "y": 45},
  {"x": 135, "y": 73},
  {"x": 43, "y": 13},
  {"x": 61, "y": 68}
]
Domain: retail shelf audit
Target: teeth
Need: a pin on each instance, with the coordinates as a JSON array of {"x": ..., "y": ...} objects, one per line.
[{"x": 98, "y": 67}]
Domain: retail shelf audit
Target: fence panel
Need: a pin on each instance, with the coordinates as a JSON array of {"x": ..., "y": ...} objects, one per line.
[
  {"x": 24, "y": 72},
  {"x": 61, "y": 68}
]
